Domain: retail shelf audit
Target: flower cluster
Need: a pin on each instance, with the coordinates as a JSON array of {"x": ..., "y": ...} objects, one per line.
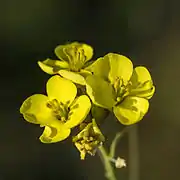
[{"x": 82, "y": 91}]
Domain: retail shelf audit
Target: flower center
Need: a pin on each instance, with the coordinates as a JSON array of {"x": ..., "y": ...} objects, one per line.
[
  {"x": 121, "y": 89},
  {"x": 76, "y": 58},
  {"x": 59, "y": 110}
]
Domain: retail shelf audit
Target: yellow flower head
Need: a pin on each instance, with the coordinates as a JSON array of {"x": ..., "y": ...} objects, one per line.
[
  {"x": 73, "y": 57},
  {"x": 76, "y": 54},
  {"x": 58, "y": 112},
  {"x": 88, "y": 140},
  {"x": 116, "y": 86}
]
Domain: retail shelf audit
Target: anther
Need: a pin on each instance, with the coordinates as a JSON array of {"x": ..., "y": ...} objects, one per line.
[{"x": 49, "y": 105}]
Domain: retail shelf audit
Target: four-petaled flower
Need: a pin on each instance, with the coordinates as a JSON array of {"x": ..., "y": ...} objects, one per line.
[
  {"x": 59, "y": 111},
  {"x": 114, "y": 85},
  {"x": 73, "y": 58}
]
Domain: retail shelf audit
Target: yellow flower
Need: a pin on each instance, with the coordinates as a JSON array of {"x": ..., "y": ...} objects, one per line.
[
  {"x": 58, "y": 112},
  {"x": 73, "y": 58},
  {"x": 114, "y": 85},
  {"x": 88, "y": 140}
]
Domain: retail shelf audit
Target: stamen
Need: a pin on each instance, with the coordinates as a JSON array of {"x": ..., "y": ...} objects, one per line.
[
  {"x": 121, "y": 88},
  {"x": 78, "y": 56},
  {"x": 58, "y": 117},
  {"x": 68, "y": 102},
  {"x": 75, "y": 106},
  {"x": 82, "y": 60},
  {"x": 63, "y": 119},
  {"x": 59, "y": 110},
  {"x": 118, "y": 99},
  {"x": 49, "y": 105}
]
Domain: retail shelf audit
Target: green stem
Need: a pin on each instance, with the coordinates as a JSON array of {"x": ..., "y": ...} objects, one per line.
[
  {"x": 107, "y": 164},
  {"x": 115, "y": 142}
]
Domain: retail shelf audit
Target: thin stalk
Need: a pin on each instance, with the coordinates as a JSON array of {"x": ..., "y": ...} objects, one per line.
[
  {"x": 115, "y": 142},
  {"x": 109, "y": 171}
]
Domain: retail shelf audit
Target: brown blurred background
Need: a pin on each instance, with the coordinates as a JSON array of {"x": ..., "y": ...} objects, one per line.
[{"x": 147, "y": 31}]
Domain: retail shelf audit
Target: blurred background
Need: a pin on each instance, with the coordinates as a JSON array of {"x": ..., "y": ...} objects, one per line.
[{"x": 147, "y": 31}]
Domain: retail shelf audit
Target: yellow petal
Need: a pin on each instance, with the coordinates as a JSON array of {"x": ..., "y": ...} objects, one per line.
[
  {"x": 61, "y": 89},
  {"x": 84, "y": 73},
  {"x": 140, "y": 75},
  {"x": 78, "y": 111},
  {"x": 131, "y": 110},
  {"x": 141, "y": 83},
  {"x": 120, "y": 67},
  {"x": 100, "y": 67},
  {"x": 52, "y": 66},
  {"x": 74, "y": 77},
  {"x": 100, "y": 91},
  {"x": 54, "y": 134},
  {"x": 88, "y": 51},
  {"x": 59, "y": 51},
  {"x": 35, "y": 110}
]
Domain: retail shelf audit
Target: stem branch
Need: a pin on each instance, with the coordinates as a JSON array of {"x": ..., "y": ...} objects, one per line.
[{"x": 107, "y": 164}]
